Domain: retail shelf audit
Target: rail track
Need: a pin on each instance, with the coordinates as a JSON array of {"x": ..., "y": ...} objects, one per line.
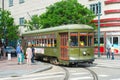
[
  {"x": 67, "y": 74},
  {"x": 95, "y": 77}
]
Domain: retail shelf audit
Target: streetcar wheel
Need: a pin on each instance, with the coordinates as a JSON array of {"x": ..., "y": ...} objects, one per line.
[
  {"x": 55, "y": 61},
  {"x": 51, "y": 61}
]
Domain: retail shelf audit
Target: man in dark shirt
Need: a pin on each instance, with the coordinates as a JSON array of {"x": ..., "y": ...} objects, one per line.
[
  {"x": 108, "y": 53},
  {"x": 33, "y": 54}
]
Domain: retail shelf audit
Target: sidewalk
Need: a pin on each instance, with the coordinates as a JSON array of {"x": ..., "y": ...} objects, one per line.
[
  {"x": 116, "y": 57},
  {"x": 10, "y": 68},
  {"x": 102, "y": 61}
]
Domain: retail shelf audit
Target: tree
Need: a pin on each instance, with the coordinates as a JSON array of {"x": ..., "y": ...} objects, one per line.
[
  {"x": 66, "y": 12},
  {"x": 34, "y": 23},
  {"x": 7, "y": 28}
]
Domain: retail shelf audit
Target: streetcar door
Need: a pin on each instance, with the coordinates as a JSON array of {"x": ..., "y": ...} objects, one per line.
[{"x": 64, "y": 46}]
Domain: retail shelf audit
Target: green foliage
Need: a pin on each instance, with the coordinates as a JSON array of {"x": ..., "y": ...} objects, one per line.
[
  {"x": 63, "y": 12},
  {"x": 34, "y": 23},
  {"x": 7, "y": 28},
  {"x": 0, "y": 16},
  {"x": 66, "y": 12}
]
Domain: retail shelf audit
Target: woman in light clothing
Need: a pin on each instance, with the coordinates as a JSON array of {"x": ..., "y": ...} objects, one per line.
[{"x": 29, "y": 55}]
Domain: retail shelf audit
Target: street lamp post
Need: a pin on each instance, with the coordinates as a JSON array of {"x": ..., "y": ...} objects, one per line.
[{"x": 98, "y": 29}]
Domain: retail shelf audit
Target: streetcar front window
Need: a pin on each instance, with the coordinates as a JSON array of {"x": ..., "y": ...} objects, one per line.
[
  {"x": 74, "y": 39},
  {"x": 86, "y": 39},
  {"x": 83, "y": 40},
  {"x": 90, "y": 40}
]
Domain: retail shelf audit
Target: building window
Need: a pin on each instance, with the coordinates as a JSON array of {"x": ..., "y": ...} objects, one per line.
[
  {"x": 10, "y": 3},
  {"x": 115, "y": 40},
  {"x": 21, "y": 1},
  {"x": 94, "y": 8},
  {"x": 21, "y": 21}
]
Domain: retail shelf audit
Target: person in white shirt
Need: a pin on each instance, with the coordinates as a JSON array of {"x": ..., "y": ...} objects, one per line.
[{"x": 29, "y": 55}]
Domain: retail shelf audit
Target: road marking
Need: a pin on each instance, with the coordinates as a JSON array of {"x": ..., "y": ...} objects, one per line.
[
  {"x": 115, "y": 79},
  {"x": 103, "y": 75},
  {"x": 81, "y": 78},
  {"x": 80, "y": 73}
]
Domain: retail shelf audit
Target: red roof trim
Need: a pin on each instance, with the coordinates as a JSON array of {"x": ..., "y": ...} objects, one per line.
[
  {"x": 112, "y": 1},
  {"x": 109, "y": 24},
  {"x": 107, "y": 20},
  {"x": 112, "y": 11}
]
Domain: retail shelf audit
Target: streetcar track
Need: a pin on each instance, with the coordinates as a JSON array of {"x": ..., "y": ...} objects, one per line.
[
  {"x": 66, "y": 73},
  {"x": 95, "y": 77}
]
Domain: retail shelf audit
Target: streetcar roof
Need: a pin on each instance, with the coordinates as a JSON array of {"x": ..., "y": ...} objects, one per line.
[{"x": 62, "y": 27}]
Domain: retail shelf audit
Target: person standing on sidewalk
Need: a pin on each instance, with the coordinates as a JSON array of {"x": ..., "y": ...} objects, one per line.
[
  {"x": 112, "y": 52},
  {"x": 18, "y": 51},
  {"x": 33, "y": 54},
  {"x": 28, "y": 55},
  {"x": 108, "y": 53},
  {"x": 22, "y": 54}
]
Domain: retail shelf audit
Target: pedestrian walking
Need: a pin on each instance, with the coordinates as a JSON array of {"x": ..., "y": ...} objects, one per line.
[
  {"x": 112, "y": 52},
  {"x": 108, "y": 53},
  {"x": 33, "y": 54},
  {"x": 18, "y": 51},
  {"x": 28, "y": 55},
  {"x": 22, "y": 55}
]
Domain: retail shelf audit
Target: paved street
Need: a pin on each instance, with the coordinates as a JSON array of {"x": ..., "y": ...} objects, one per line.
[{"x": 11, "y": 68}]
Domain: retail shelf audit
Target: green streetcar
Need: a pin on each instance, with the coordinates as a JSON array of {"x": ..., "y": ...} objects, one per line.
[{"x": 65, "y": 44}]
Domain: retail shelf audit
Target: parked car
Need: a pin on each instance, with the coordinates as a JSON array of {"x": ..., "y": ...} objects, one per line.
[{"x": 11, "y": 50}]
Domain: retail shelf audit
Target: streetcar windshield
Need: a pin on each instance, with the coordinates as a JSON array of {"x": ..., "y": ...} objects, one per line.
[{"x": 81, "y": 39}]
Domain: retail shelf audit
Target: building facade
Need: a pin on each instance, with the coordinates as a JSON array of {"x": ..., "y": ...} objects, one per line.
[{"x": 109, "y": 17}]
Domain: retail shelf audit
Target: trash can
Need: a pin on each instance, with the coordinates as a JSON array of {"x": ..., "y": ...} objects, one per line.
[{"x": 9, "y": 56}]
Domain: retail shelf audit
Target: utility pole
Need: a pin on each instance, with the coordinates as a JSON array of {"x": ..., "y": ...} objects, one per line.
[
  {"x": 98, "y": 29},
  {"x": 4, "y": 29}
]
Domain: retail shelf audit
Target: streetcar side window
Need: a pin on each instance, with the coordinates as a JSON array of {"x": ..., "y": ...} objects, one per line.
[{"x": 47, "y": 40}]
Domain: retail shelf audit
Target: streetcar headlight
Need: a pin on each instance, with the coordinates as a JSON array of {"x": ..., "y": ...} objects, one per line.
[{"x": 84, "y": 53}]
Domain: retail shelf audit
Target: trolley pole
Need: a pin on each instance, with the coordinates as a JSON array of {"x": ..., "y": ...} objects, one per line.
[{"x": 98, "y": 29}]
